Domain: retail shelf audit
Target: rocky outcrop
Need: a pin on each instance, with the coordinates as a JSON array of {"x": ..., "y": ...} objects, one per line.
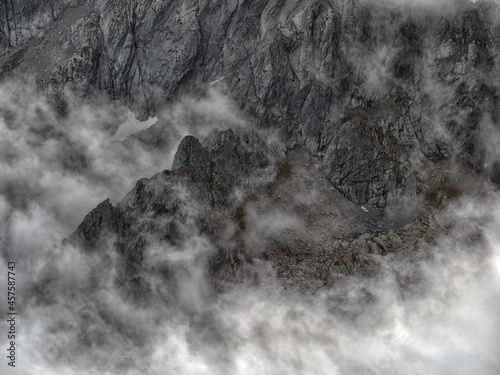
[
  {"x": 370, "y": 158},
  {"x": 102, "y": 221},
  {"x": 173, "y": 205},
  {"x": 282, "y": 211}
]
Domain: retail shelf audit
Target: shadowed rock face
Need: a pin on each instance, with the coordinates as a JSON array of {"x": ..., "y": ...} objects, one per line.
[
  {"x": 172, "y": 206},
  {"x": 376, "y": 94}
]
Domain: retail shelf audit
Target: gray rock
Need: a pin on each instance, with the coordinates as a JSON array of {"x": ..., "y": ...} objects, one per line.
[
  {"x": 201, "y": 179},
  {"x": 101, "y": 222},
  {"x": 372, "y": 98}
]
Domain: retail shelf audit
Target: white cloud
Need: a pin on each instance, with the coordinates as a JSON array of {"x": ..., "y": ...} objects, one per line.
[{"x": 75, "y": 319}]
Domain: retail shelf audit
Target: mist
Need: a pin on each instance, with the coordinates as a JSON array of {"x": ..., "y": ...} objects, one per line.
[{"x": 435, "y": 311}]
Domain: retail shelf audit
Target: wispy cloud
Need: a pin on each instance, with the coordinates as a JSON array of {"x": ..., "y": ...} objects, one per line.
[{"x": 76, "y": 318}]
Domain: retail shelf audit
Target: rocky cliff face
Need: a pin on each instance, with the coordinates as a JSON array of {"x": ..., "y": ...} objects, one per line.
[
  {"x": 380, "y": 76},
  {"x": 285, "y": 187},
  {"x": 368, "y": 99}
]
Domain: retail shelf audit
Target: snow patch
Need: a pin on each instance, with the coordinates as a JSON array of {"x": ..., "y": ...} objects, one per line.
[{"x": 132, "y": 125}]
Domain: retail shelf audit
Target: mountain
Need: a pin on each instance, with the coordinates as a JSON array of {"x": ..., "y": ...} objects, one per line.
[
  {"x": 390, "y": 102},
  {"x": 334, "y": 139}
]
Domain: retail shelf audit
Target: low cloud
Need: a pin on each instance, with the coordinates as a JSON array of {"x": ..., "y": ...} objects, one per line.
[{"x": 75, "y": 319}]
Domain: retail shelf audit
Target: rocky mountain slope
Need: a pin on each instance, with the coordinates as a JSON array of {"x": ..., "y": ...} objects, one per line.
[
  {"x": 250, "y": 187},
  {"x": 365, "y": 117}
]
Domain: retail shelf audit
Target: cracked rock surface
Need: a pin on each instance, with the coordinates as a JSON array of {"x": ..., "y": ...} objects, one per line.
[{"x": 377, "y": 108}]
